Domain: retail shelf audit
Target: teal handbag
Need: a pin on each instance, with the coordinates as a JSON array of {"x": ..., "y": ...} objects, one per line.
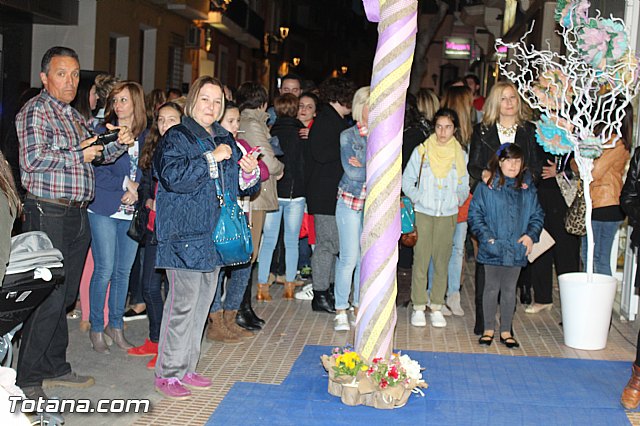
[
  {"x": 232, "y": 237},
  {"x": 407, "y": 215}
]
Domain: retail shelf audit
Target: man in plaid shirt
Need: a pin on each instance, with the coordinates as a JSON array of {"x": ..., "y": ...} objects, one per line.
[{"x": 56, "y": 171}]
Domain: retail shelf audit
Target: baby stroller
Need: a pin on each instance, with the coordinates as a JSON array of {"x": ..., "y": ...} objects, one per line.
[{"x": 35, "y": 268}]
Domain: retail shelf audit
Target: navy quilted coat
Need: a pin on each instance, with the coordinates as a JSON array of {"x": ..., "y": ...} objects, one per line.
[
  {"x": 186, "y": 205},
  {"x": 504, "y": 214}
]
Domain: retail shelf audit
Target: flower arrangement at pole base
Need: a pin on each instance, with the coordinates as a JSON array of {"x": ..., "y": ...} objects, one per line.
[{"x": 384, "y": 384}]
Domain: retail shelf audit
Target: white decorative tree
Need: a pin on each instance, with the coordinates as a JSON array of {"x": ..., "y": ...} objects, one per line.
[{"x": 582, "y": 94}]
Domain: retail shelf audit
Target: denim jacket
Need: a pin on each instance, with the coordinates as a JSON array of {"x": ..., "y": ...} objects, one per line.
[
  {"x": 433, "y": 196},
  {"x": 353, "y": 145}
]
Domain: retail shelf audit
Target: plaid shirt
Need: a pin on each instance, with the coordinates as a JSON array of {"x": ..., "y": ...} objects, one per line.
[
  {"x": 354, "y": 202},
  {"x": 51, "y": 160}
]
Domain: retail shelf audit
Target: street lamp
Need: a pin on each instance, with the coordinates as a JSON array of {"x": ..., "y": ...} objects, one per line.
[
  {"x": 296, "y": 61},
  {"x": 271, "y": 40},
  {"x": 344, "y": 69},
  {"x": 284, "y": 32}
]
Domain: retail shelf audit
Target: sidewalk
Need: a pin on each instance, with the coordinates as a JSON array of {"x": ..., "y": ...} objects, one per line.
[{"x": 290, "y": 325}]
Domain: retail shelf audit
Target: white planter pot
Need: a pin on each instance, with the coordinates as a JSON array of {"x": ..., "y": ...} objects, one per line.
[{"x": 586, "y": 309}]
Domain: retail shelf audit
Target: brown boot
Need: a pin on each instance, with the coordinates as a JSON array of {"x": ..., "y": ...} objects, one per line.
[
  {"x": 230, "y": 322},
  {"x": 630, "y": 398},
  {"x": 263, "y": 293},
  {"x": 219, "y": 332},
  {"x": 288, "y": 290}
]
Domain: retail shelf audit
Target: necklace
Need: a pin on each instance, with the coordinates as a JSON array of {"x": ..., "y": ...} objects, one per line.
[{"x": 507, "y": 131}]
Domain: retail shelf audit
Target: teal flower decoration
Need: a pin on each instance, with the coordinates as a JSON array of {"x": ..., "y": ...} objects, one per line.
[
  {"x": 590, "y": 147},
  {"x": 552, "y": 138}
]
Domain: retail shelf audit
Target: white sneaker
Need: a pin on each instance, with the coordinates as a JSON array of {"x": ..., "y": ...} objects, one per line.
[
  {"x": 437, "y": 319},
  {"x": 306, "y": 293},
  {"x": 351, "y": 313},
  {"x": 341, "y": 322},
  {"x": 418, "y": 319},
  {"x": 445, "y": 311}
]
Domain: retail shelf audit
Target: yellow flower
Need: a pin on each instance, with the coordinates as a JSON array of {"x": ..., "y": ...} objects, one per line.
[{"x": 364, "y": 367}]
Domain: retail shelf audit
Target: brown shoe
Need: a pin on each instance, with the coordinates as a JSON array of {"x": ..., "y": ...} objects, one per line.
[
  {"x": 263, "y": 293},
  {"x": 289, "y": 287},
  {"x": 630, "y": 398},
  {"x": 118, "y": 338},
  {"x": 230, "y": 323},
  {"x": 219, "y": 332}
]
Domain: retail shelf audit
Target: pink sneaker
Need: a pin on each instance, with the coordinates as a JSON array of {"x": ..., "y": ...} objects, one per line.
[
  {"x": 196, "y": 381},
  {"x": 172, "y": 388}
]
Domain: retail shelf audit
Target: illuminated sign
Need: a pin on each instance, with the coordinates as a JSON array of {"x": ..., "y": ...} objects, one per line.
[
  {"x": 501, "y": 53},
  {"x": 457, "y": 48}
]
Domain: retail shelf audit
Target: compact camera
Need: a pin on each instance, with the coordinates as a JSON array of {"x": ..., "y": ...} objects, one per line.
[{"x": 104, "y": 139}]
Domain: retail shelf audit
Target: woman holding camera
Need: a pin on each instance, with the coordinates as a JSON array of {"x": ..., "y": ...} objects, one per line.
[
  {"x": 187, "y": 162},
  {"x": 110, "y": 215}
]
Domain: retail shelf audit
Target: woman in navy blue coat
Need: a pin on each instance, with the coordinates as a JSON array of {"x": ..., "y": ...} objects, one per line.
[
  {"x": 507, "y": 220},
  {"x": 188, "y": 160}
]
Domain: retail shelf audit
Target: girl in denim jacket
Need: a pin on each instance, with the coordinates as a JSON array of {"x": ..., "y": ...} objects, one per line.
[
  {"x": 350, "y": 208},
  {"x": 507, "y": 219},
  {"x": 437, "y": 183}
]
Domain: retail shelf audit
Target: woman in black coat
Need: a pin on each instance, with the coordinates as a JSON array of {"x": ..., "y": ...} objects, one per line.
[
  {"x": 630, "y": 202},
  {"x": 291, "y": 194},
  {"x": 504, "y": 121}
]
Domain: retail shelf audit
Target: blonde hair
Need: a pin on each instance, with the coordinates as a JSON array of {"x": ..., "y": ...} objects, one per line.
[
  {"x": 491, "y": 108},
  {"x": 194, "y": 91},
  {"x": 460, "y": 99},
  {"x": 360, "y": 99},
  {"x": 428, "y": 103}
]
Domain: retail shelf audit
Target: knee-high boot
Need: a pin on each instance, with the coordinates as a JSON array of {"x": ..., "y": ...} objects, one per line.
[{"x": 246, "y": 317}]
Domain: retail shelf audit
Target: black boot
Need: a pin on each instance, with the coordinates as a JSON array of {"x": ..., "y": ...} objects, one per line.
[
  {"x": 246, "y": 318},
  {"x": 322, "y": 302},
  {"x": 524, "y": 283}
]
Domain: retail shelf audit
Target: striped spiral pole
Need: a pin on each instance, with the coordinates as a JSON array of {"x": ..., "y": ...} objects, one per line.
[{"x": 376, "y": 319}]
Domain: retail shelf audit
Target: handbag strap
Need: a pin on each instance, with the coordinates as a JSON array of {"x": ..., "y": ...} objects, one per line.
[
  {"x": 421, "y": 163},
  {"x": 218, "y": 183}
]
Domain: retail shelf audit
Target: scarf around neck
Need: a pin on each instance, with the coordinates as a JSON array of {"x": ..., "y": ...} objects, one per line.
[{"x": 443, "y": 157}]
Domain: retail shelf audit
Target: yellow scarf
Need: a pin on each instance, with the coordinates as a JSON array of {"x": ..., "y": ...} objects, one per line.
[{"x": 442, "y": 157}]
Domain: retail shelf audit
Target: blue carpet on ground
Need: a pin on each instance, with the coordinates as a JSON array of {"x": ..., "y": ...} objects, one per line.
[{"x": 464, "y": 389}]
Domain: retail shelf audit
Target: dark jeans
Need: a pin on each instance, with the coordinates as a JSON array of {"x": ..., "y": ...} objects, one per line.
[
  {"x": 152, "y": 288},
  {"x": 237, "y": 281},
  {"x": 45, "y": 337},
  {"x": 304, "y": 253}
]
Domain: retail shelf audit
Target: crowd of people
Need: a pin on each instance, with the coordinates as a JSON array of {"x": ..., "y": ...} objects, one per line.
[{"x": 149, "y": 202}]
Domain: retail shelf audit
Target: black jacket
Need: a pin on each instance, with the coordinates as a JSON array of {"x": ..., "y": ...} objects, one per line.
[
  {"x": 630, "y": 196},
  {"x": 630, "y": 203},
  {"x": 323, "y": 168},
  {"x": 485, "y": 142},
  {"x": 291, "y": 185},
  {"x": 412, "y": 136}
]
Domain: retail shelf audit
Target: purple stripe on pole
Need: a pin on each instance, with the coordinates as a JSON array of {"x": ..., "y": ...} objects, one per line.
[
  {"x": 393, "y": 65},
  {"x": 386, "y": 40},
  {"x": 372, "y": 10}
]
